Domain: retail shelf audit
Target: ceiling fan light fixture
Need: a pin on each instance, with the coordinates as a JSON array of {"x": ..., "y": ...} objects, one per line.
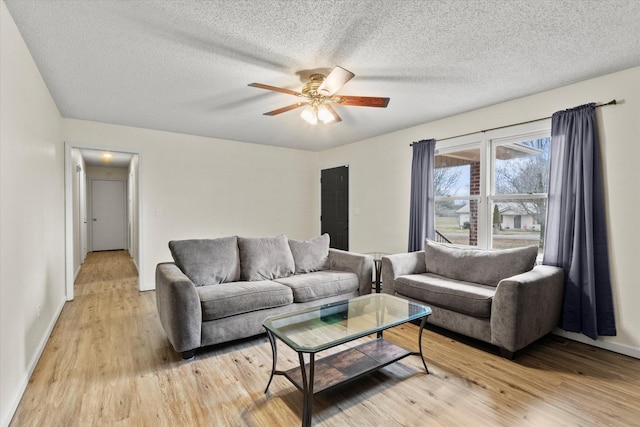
[
  {"x": 325, "y": 115},
  {"x": 310, "y": 115},
  {"x": 319, "y": 93}
]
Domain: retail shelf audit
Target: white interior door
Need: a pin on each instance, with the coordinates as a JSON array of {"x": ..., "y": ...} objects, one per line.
[{"x": 108, "y": 215}]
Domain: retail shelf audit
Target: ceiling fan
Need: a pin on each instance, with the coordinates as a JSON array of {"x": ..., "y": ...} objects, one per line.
[{"x": 319, "y": 93}]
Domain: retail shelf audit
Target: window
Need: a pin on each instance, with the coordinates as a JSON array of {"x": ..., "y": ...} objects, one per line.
[{"x": 491, "y": 189}]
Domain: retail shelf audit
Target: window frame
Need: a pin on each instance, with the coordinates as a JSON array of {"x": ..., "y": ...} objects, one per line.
[{"x": 488, "y": 141}]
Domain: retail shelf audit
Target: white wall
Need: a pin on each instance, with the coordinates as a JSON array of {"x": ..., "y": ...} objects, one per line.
[
  {"x": 380, "y": 170},
  {"x": 196, "y": 187},
  {"x": 104, "y": 172},
  {"x": 32, "y": 250}
]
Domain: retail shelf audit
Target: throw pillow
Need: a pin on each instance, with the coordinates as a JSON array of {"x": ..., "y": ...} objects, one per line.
[
  {"x": 484, "y": 266},
  {"x": 207, "y": 261},
  {"x": 310, "y": 255},
  {"x": 265, "y": 258}
]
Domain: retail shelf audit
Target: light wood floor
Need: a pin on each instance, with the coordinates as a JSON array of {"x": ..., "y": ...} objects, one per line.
[{"x": 109, "y": 363}]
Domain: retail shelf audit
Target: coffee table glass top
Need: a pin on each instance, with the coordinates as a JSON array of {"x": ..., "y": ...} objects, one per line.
[{"x": 329, "y": 325}]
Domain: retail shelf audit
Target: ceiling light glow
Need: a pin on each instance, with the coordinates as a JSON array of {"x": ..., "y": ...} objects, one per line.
[
  {"x": 310, "y": 115},
  {"x": 325, "y": 115}
]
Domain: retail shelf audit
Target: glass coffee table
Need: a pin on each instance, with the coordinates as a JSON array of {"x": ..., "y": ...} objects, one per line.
[{"x": 320, "y": 328}]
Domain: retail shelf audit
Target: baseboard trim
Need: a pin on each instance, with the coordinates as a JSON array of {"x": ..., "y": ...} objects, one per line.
[
  {"x": 8, "y": 416},
  {"x": 145, "y": 288},
  {"x": 600, "y": 343}
]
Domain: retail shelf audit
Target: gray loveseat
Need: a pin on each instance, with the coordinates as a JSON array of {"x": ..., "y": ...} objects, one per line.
[
  {"x": 497, "y": 296},
  {"x": 219, "y": 290}
]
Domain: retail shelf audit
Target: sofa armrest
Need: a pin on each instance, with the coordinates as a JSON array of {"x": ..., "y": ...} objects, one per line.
[
  {"x": 361, "y": 265},
  {"x": 526, "y": 307},
  {"x": 178, "y": 307},
  {"x": 397, "y": 265}
]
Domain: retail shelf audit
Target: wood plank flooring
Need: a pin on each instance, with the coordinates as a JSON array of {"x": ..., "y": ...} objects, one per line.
[{"x": 108, "y": 363}]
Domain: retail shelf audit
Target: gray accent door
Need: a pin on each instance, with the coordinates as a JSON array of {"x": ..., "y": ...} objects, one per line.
[{"x": 334, "y": 210}]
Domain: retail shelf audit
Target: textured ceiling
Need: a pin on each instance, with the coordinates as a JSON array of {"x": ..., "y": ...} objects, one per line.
[{"x": 184, "y": 66}]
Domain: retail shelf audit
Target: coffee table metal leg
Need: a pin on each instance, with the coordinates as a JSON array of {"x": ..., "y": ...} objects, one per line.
[
  {"x": 307, "y": 392},
  {"x": 424, "y": 321},
  {"x": 274, "y": 353},
  {"x": 379, "y": 318}
]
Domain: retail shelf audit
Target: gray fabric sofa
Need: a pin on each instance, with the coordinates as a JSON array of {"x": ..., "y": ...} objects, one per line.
[
  {"x": 497, "y": 296},
  {"x": 219, "y": 290}
]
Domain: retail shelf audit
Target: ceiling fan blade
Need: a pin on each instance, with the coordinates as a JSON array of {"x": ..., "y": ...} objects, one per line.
[
  {"x": 336, "y": 117},
  {"x": 337, "y": 78},
  {"x": 276, "y": 89},
  {"x": 360, "y": 101},
  {"x": 285, "y": 109}
]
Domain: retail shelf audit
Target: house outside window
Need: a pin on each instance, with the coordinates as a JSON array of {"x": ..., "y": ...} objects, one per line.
[{"x": 491, "y": 188}]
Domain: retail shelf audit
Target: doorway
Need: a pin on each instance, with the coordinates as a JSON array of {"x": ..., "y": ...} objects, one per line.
[
  {"x": 126, "y": 168},
  {"x": 517, "y": 222},
  {"x": 334, "y": 206},
  {"x": 108, "y": 215}
]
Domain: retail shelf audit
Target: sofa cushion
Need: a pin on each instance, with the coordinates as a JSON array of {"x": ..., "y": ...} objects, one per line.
[
  {"x": 310, "y": 255},
  {"x": 320, "y": 284},
  {"x": 484, "y": 266},
  {"x": 463, "y": 297},
  {"x": 241, "y": 297},
  {"x": 265, "y": 258},
  {"x": 207, "y": 261}
]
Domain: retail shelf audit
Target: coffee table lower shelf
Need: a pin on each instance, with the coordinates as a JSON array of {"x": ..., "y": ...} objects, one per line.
[
  {"x": 349, "y": 364},
  {"x": 360, "y": 317}
]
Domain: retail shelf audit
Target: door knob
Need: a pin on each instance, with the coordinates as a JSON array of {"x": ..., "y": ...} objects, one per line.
[{"x": 95, "y": 219}]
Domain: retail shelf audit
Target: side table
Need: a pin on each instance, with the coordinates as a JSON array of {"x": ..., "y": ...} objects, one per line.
[{"x": 377, "y": 263}]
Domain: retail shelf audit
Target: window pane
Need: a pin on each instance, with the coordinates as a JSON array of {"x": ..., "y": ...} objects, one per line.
[
  {"x": 518, "y": 223},
  {"x": 457, "y": 173},
  {"x": 457, "y": 222},
  {"x": 522, "y": 167}
]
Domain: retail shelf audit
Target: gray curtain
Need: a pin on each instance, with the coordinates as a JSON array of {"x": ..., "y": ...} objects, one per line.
[
  {"x": 421, "y": 209},
  {"x": 576, "y": 236}
]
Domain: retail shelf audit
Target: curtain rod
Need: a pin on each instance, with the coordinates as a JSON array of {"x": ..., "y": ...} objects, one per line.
[{"x": 612, "y": 102}]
